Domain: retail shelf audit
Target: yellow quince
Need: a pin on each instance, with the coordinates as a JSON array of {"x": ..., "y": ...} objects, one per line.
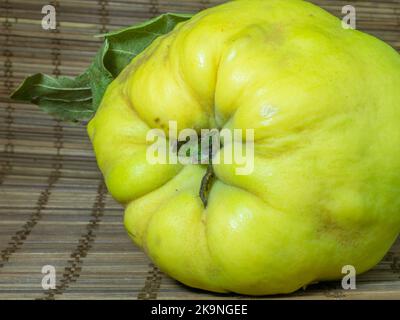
[{"x": 324, "y": 104}]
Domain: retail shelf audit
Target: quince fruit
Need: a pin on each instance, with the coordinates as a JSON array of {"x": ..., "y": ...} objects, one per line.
[{"x": 324, "y": 104}]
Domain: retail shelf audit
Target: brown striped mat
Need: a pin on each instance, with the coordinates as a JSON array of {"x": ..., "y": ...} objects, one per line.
[{"x": 54, "y": 207}]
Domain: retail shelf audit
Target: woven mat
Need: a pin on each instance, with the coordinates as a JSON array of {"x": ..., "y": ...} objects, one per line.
[{"x": 54, "y": 207}]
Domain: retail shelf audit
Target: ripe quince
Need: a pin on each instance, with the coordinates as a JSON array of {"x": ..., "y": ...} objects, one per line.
[{"x": 324, "y": 103}]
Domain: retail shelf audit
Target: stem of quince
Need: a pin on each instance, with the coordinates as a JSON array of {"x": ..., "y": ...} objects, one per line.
[
  {"x": 206, "y": 183},
  {"x": 208, "y": 178}
]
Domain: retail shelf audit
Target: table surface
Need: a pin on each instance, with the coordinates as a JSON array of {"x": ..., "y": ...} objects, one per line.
[{"x": 54, "y": 207}]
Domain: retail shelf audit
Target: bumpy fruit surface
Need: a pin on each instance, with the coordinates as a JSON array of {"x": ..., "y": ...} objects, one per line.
[{"x": 324, "y": 102}]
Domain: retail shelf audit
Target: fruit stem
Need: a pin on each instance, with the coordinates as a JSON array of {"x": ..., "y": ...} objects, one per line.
[{"x": 206, "y": 183}]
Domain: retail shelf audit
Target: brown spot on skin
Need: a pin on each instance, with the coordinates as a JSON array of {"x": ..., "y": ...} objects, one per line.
[
  {"x": 157, "y": 120},
  {"x": 329, "y": 227}
]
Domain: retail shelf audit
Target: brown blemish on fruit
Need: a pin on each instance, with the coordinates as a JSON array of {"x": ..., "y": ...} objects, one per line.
[{"x": 328, "y": 227}]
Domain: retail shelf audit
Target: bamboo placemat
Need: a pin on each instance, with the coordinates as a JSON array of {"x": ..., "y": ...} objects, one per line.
[{"x": 54, "y": 207}]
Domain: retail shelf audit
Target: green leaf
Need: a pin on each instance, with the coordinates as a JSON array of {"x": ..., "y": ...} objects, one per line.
[
  {"x": 99, "y": 76},
  {"x": 78, "y": 98},
  {"x": 65, "y": 97}
]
